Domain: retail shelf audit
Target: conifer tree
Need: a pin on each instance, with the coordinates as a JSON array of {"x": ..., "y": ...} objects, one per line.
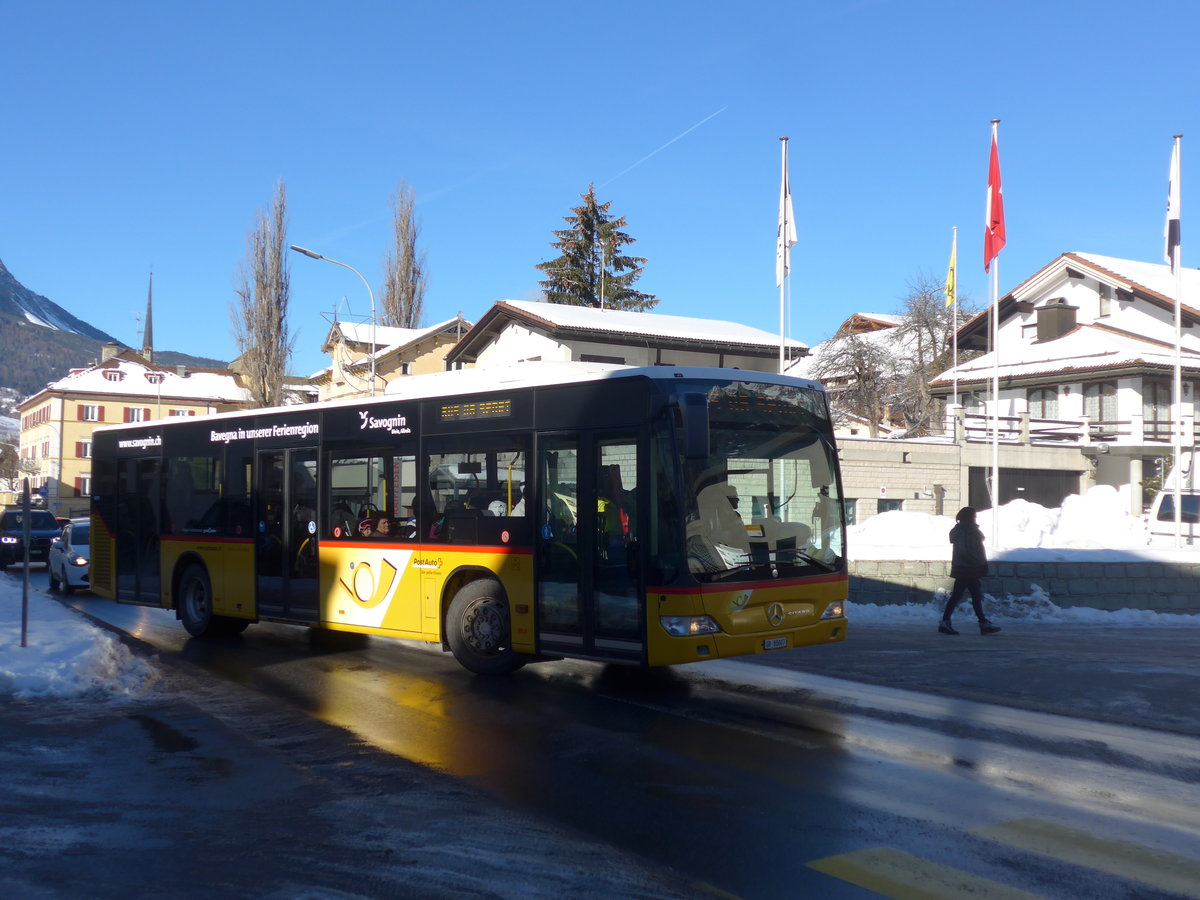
[{"x": 593, "y": 270}]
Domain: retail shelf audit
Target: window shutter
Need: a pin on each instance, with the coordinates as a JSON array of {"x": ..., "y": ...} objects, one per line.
[
  {"x": 79, "y": 449},
  {"x": 81, "y": 413},
  {"x": 128, "y": 414},
  {"x": 99, "y": 413},
  {"x": 146, "y": 414},
  {"x": 78, "y": 486}
]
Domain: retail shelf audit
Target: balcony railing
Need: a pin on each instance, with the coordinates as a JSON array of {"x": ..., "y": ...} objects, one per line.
[{"x": 1024, "y": 429}]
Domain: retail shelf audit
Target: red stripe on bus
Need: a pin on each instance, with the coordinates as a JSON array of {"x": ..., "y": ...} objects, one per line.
[
  {"x": 203, "y": 539},
  {"x": 425, "y": 548}
]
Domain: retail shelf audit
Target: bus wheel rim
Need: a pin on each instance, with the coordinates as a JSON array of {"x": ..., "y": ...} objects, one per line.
[{"x": 483, "y": 626}]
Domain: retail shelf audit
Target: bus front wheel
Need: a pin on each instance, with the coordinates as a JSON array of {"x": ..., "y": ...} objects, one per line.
[{"x": 479, "y": 631}]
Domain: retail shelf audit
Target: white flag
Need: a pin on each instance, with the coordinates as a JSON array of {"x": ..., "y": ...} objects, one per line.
[
  {"x": 787, "y": 227},
  {"x": 1171, "y": 229}
]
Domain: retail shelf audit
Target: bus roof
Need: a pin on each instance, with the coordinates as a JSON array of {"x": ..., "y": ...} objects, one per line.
[{"x": 501, "y": 378}]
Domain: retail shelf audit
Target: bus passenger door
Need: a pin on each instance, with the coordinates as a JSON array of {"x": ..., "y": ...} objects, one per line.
[
  {"x": 286, "y": 534},
  {"x": 137, "y": 526},
  {"x": 618, "y": 597},
  {"x": 590, "y": 600}
]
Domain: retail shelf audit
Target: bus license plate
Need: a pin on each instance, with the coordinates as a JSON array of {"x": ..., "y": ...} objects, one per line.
[{"x": 775, "y": 643}]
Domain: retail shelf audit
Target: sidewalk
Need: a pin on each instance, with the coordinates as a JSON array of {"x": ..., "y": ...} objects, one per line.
[{"x": 1145, "y": 676}]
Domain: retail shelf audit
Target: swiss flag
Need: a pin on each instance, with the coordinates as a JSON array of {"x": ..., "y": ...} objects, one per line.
[{"x": 993, "y": 234}]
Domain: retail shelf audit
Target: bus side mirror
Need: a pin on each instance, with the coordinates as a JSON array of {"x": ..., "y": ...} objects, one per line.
[{"x": 693, "y": 413}]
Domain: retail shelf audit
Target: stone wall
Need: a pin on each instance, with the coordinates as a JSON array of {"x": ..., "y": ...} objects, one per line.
[{"x": 1159, "y": 586}]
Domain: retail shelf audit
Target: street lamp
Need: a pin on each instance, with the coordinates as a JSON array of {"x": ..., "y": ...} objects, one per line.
[{"x": 371, "y": 293}]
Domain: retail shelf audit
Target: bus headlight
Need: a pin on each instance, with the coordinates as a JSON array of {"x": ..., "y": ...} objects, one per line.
[
  {"x": 835, "y": 610},
  {"x": 684, "y": 626}
]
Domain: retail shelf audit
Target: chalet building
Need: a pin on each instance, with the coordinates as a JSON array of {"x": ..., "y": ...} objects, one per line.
[
  {"x": 396, "y": 352},
  {"x": 57, "y": 422},
  {"x": 1086, "y": 355},
  {"x": 514, "y": 331},
  {"x": 1086, "y": 362}
]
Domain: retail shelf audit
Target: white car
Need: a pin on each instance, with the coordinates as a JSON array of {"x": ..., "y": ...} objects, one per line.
[{"x": 70, "y": 553}]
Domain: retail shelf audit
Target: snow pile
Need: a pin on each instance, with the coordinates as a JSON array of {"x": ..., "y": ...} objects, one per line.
[
  {"x": 1096, "y": 520},
  {"x": 66, "y": 655}
]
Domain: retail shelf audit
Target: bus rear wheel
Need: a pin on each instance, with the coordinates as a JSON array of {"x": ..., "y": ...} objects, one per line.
[
  {"x": 479, "y": 631},
  {"x": 195, "y": 602}
]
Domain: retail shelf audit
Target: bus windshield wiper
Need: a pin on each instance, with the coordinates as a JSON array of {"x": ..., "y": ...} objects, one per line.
[{"x": 804, "y": 556}]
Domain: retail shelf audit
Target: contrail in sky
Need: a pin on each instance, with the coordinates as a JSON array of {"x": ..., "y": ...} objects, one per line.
[{"x": 666, "y": 145}]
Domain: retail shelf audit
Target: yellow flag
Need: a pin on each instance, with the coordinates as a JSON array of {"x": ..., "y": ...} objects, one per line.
[{"x": 951, "y": 278}]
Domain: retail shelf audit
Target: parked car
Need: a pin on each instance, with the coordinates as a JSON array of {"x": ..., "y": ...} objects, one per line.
[
  {"x": 70, "y": 554},
  {"x": 44, "y": 529}
]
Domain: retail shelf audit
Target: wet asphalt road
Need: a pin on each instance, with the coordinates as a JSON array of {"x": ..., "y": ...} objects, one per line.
[{"x": 734, "y": 779}]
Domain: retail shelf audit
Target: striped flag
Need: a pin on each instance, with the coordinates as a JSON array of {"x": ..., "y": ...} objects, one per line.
[
  {"x": 787, "y": 227},
  {"x": 951, "y": 287},
  {"x": 993, "y": 235},
  {"x": 1171, "y": 228}
]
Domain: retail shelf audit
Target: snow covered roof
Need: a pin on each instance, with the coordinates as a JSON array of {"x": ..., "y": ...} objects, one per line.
[
  {"x": 1155, "y": 278},
  {"x": 1152, "y": 281},
  {"x": 366, "y": 333},
  {"x": 563, "y": 320},
  {"x": 888, "y": 338},
  {"x": 388, "y": 340},
  {"x": 1087, "y": 348},
  {"x": 129, "y": 374},
  {"x": 861, "y": 322}
]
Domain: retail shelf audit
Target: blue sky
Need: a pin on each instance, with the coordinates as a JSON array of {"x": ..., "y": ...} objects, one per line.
[{"x": 147, "y": 135}]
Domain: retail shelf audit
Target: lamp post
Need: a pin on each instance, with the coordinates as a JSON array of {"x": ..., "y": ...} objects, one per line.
[{"x": 371, "y": 293}]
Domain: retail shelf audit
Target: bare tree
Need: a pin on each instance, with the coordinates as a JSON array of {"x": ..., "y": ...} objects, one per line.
[
  {"x": 260, "y": 311},
  {"x": 406, "y": 272},
  {"x": 860, "y": 373},
  {"x": 925, "y": 338},
  {"x": 883, "y": 376}
]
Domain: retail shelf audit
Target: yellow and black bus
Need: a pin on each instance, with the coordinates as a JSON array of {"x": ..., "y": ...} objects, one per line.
[{"x": 649, "y": 516}]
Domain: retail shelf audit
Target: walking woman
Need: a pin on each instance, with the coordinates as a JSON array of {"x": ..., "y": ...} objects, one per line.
[{"x": 968, "y": 565}]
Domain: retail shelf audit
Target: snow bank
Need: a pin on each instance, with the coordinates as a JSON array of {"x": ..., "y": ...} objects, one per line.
[
  {"x": 1034, "y": 606},
  {"x": 66, "y": 655}
]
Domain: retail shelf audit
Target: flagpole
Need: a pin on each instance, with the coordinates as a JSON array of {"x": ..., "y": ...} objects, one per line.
[
  {"x": 1173, "y": 247},
  {"x": 995, "y": 403},
  {"x": 954, "y": 302},
  {"x": 995, "y": 238},
  {"x": 784, "y": 201}
]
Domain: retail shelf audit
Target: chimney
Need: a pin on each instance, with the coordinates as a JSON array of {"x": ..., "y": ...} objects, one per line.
[
  {"x": 109, "y": 350},
  {"x": 1055, "y": 319}
]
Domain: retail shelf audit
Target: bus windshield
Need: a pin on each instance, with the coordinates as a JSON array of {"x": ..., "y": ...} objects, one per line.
[{"x": 765, "y": 502}]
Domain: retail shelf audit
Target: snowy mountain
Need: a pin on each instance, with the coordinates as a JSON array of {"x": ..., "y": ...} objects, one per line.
[
  {"x": 41, "y": 342},
  {"x": 18, "y": 300}
]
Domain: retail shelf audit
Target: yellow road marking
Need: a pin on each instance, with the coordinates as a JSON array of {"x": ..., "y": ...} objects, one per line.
[
  {"x": 905, "y": 877},
  {"x": 1177, "y": 874}
]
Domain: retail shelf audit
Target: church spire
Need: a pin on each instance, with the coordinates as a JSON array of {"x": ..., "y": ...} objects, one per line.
[{"x": 148, "y": 331}]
